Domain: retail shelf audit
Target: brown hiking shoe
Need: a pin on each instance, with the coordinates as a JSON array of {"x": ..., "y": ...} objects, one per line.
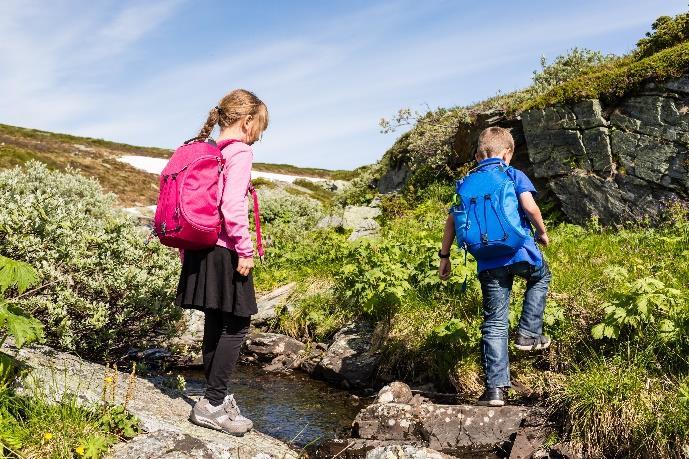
[{"x": 224, "y": 417}]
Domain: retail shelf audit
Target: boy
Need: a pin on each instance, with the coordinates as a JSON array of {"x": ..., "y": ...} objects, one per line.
[{"x": 497, "y": 275}]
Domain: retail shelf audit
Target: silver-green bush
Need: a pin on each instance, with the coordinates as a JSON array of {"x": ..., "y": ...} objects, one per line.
[
  {"x": 279, "y": 206},
  {"x": 102, "y": 288}
]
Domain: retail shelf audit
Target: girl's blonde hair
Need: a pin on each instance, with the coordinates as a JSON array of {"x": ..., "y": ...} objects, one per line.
[{"x": 233, "y": 107}]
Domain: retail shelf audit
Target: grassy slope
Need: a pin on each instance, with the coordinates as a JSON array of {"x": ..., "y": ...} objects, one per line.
[{"x": 98, "y": 158}]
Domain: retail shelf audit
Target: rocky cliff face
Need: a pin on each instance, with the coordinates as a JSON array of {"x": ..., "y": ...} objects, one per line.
[{"x": 620, "y": 163}]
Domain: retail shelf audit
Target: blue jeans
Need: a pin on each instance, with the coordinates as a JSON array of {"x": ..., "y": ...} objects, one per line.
[{"x": 496, "y": 285}]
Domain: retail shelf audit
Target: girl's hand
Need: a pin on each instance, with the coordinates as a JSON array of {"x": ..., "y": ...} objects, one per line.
[{"x": 245, "y": 266}]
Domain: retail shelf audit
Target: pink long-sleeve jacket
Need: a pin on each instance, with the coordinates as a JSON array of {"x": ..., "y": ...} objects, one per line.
[{"x": 234, "y": 233}]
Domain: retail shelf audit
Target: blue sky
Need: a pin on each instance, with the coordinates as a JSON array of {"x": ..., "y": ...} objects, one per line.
[{"x": 147, "y": 72}]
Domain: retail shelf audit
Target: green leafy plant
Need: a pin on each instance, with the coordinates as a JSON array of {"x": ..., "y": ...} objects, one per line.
[
  {"x": 117, "y": 420},
  {"x": 14, "y": 321},
  {"x": 642, "y": 306}
]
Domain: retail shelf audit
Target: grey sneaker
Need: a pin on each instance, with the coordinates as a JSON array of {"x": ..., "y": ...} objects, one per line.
[
  {"x": 224, "y": 417},
  {"x": 231, "y": 408},
  {"x": 531, "y": 344}
]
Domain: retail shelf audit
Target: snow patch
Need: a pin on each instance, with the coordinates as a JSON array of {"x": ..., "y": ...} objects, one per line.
[{"x": 156, "y": 166}]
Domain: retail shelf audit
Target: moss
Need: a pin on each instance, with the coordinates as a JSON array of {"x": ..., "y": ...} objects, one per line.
[{"x": 617, "y": 79}]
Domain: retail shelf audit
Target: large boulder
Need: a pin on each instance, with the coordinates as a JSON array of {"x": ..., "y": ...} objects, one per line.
[{"x": 350, "y": 360}]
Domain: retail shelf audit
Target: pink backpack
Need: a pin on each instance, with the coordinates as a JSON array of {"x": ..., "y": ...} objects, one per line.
[{"x": 188, "y": 211}]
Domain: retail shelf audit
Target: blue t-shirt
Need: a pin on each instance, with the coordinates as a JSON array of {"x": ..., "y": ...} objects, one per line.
[{"x": 529, "y": 252}]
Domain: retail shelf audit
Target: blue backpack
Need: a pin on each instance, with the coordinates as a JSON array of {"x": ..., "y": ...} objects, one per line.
[{"x": 486, "y": 212}]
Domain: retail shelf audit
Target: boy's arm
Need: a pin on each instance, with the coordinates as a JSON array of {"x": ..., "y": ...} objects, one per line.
[
  {"x": 533, "y": 212},
  {"x": 448, "y": 235},
  {"x": 445, "y": 268}
]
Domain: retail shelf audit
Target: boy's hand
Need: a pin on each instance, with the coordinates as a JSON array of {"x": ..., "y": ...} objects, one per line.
[
  {"x": 543, "y": 239},
  {"x": 445, "y": 269}
]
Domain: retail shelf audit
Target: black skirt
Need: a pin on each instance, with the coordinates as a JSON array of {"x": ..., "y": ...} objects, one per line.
[{"x": 209, "y": 280}]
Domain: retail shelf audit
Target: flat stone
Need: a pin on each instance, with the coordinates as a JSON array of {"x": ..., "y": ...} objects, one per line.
[
  {"x": 404, "y": 452},
  {"x": 450, "y": 429}
]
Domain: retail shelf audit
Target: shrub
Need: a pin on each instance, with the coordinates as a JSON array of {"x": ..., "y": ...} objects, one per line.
[
  {"x": 666, "y": 32},
  {"x": 99, "y": 280},
  {"x": 565, "y": 68},
  {"x": 279, "y": 206}
]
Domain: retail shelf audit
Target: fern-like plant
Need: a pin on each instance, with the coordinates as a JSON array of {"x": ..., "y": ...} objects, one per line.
[{"x": 17, "y": 277}]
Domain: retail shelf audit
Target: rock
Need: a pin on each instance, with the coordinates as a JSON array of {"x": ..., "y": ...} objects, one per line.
[
  {"x": 354, "y": 216},
  {"x": 357, "y": 448},
  {"x": 466, "y": 139},
  {"x": 565, "y": 451},
  {"x": 368, "y": 228},
  {"x": 267, "y": 346},
  {"x": 283, "y": 363},
  {"x": 160, "y": 414},
  {"x": 268, "y": 304},
  {"x": 349, "y": 360},
  {"x": 311, "y": 357},
  {"x": 330, "y": 221},
  {"x": 393, "y": 179},
  {"x": 622, "y": 163},
  {"x": 531, "y": 437},
  {"x": 389, "y": 421},
  {"x": 333, "y": 185},
  {"x": 404, "y": 452},
  {"x": 450, "y": 429},
  {"x": 164, "y": 444},
  {"x": 395, "y": 392}
]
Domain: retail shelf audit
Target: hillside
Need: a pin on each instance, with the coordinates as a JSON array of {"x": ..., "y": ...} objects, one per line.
[{"x": 99, "y": 159}]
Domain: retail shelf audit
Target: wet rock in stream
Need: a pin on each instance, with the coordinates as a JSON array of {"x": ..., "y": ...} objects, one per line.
[
  {"x": 402, "y": 425},
  {"x": 350, "y": 361}
]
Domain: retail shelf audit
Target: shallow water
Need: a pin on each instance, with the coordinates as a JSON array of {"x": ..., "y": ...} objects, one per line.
[{"x": 293, "y": 407}]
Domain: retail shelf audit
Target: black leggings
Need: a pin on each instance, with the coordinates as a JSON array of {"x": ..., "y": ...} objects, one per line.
[{"x": 223, "y": 334}]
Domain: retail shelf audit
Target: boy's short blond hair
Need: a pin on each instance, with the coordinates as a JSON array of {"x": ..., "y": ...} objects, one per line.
[{"x": 493, "y": 141}]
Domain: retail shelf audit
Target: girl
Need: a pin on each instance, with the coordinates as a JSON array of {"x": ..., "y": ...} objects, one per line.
[{"x": 218, "y": 280}]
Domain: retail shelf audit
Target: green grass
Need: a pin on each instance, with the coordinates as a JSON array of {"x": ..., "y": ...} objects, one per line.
[
  {"x": 288, "y": 169},
  {"x": 431, "y": 330},
  {"x": 31, "y": 426},
  {"x": 53, "y": 137}
]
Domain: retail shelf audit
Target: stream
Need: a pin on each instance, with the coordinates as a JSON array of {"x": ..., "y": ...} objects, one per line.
[{"x": 291, "y": 407}]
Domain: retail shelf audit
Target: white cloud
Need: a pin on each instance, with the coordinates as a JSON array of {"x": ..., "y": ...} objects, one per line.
[{"x": 71, "y": 68}]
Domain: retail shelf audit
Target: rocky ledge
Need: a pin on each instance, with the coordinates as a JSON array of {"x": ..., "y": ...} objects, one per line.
[
  {"x": 403, "y": 424},
  {"x": 168, "y": 433}
]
